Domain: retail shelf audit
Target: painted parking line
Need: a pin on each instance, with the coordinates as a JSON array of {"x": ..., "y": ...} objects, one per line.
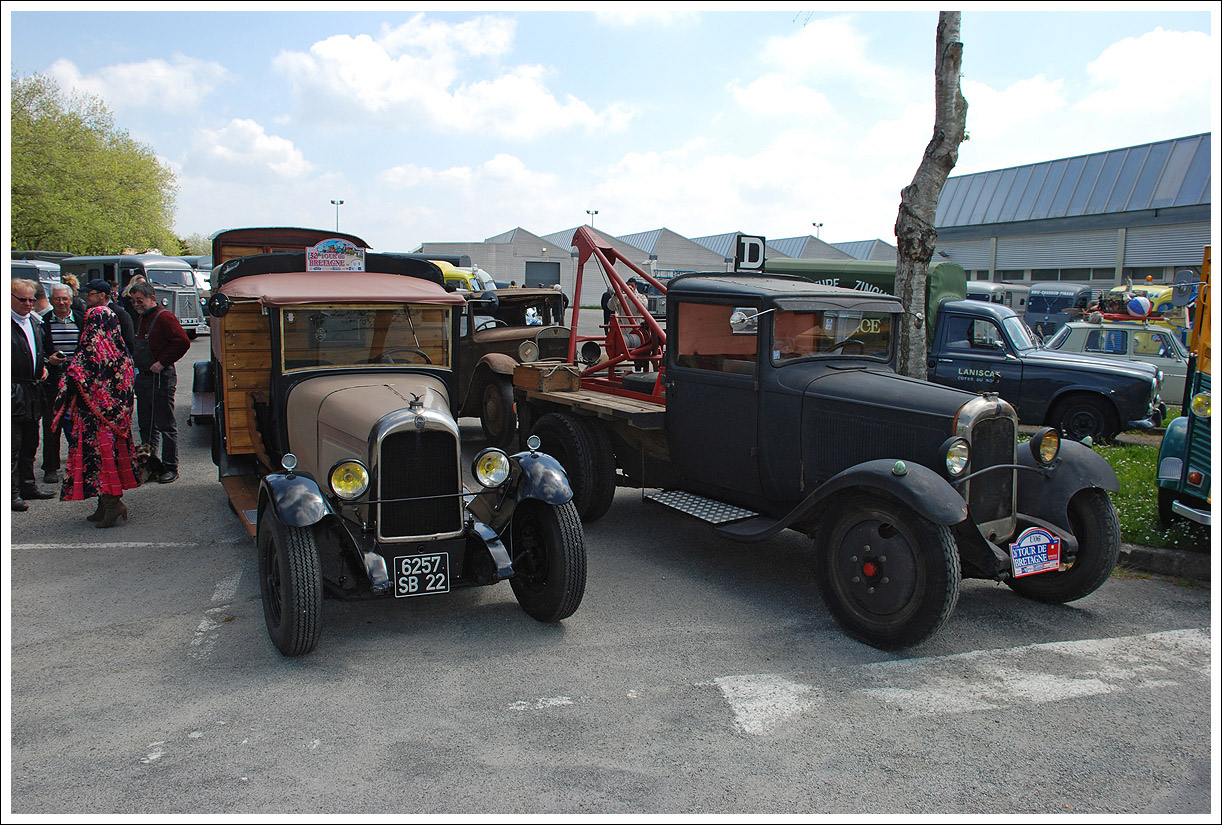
[
  {"x": 984, "y": 679},
  {"x": 215, "y": 617},
  {"x": 108, "y": 545}
]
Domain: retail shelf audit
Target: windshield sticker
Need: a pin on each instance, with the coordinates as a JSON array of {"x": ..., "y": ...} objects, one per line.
[{"x": 335, "y": 255}]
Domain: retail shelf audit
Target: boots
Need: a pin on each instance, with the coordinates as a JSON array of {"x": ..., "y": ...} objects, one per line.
[
  {"x": 98, "y": 513},
  {"x": 114, "y": 510}
]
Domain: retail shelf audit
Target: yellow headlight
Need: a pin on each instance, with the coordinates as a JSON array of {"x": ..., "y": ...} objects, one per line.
[
  {"x": 1201, "y": 404},
  {"x": 491, "y": 467},
  {"x": 349, "y": 479},
  {"x": 1046, "y": 445}
]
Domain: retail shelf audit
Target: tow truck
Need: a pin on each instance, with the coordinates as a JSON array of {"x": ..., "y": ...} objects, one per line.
[{"x": 769, "y": 402}]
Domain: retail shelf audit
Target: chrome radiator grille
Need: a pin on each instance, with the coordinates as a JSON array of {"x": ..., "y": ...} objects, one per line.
[
  {"x": 990, "y": 497},
  {"x": 419, "y": 469}
]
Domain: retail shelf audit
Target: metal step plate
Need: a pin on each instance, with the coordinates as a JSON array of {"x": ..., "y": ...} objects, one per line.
[{"x": 705, "y": 509}]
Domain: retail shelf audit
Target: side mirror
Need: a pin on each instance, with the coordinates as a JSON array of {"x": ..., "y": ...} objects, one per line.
[{"x": 487, "y": 304}]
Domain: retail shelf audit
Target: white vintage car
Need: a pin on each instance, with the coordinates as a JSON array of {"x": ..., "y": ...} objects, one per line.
[{"x": 1129, "y": 341}]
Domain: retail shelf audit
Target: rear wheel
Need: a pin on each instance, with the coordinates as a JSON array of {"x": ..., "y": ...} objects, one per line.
[
  {"x": 496, "y": 412},
  {"x": 290, "y": 581},
  {"x": 565, "y": 438},
  {"x": 1080, "y": 416},
  {"x": 1093, "y": 520},
  {"x": 549, "y": 559},
  {"x": 889, "y": 576}
]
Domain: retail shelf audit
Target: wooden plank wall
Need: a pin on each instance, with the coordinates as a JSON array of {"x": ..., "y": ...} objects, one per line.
[{"x": 246, "y": 354}]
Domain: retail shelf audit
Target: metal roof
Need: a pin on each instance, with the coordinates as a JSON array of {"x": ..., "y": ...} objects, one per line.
[
  {"x": 644, "y": 241},
  {"x": 1149, "y": 176},
  {"x": 875, "y": 249}
]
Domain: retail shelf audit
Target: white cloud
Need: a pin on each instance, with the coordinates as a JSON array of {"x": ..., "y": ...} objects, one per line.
[
  {"x": 1162, "y": 69},
  {"x": 243, "y": 150},
  {"x": 641, "y": 17},
  {"x": 177, "y": 85},
  {"x": 426, "y": 74}
]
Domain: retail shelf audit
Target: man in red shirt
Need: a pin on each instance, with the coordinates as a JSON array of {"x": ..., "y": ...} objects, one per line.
[{"x": 160, "y": 341}]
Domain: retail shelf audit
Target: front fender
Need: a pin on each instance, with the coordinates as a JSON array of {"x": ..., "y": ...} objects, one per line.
[
  {"x": 295, "y": 499},
  {"x": 532, "y": 475},
  {"x": 1045, "y": 494},
  {"x": 1175, "y": 440},
  {"x": 499, "y": 363}
]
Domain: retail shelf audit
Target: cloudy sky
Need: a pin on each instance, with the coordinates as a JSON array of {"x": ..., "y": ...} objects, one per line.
[{"x": 455, "y": 125}]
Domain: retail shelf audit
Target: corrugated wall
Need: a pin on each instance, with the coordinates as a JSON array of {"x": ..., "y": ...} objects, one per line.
[{"x": 1181, "y": 245}]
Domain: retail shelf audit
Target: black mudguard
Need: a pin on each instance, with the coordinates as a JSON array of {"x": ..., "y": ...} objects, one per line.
[
  {"x": 295, "y": 499},
  {"x": 1044, "y": 494},
  {"x": 532, "y": 475}
]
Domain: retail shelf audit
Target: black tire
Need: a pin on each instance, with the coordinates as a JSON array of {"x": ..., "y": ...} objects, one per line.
[
  {"x": 549, "y": 559},
  {"x": 290, "y": 581},
  {"x": 566, "y": 439},
  {"x": 1165, "y": 515},
  {"x": 603, "y": 456},
  {"x": 1081, "y": 415},
  {"x": 496, "y": 412},
  {"x": 889, "y": 576},
  {"x": 1095, "y": 525}
]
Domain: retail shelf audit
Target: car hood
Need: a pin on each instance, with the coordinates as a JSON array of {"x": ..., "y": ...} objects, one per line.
[
  {"x": 1082, "y": 361},
  {"x": 331, "y": 417}
]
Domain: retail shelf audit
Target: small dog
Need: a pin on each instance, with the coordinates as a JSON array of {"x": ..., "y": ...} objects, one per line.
[{"x": 148, "y": 465}]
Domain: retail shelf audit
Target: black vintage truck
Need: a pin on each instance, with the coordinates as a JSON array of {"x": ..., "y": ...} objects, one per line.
[{"x": 772, "y": 403}]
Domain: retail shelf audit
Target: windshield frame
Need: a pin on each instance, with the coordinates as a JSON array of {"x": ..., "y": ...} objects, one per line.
[
  {"x": 832, "y": 327},
  {"x": 412, "y": 332}
]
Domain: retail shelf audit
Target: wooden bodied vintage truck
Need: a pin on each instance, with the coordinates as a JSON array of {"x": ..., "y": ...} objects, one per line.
[
  {"x": 770, "y": 403},
  {"x": 335, "y": 378}
]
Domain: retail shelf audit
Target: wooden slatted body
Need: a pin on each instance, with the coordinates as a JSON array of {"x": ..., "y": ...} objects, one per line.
[{"x": 241, "y": 342}]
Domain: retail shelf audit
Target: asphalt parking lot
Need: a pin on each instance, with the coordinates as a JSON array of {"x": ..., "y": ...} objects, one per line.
[{"x": 697, "y": 677}]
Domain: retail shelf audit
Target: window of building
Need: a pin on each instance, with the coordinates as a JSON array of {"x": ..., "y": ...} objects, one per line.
[
  {"x": 1138, "y": 274},
  {"x": 1010, "y": 274},
  {"x": 1045, "y": 274},
  {"x": 1103, "y": 273}
]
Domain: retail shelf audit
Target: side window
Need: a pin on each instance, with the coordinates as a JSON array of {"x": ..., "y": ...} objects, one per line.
[
  {"x": 1107, "y": 341},
  {"x": 958, "y": 332},
  {"x": 1152, "y": 343},
  {"x": 706, "y": 341},
  {"x": 985, "y": 336}
]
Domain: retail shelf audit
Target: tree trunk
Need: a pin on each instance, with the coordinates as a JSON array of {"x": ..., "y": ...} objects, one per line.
[{"x": 914, "y": 227}]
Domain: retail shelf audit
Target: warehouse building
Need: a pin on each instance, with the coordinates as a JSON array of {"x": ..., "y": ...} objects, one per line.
[{"x": 1101, "y": 219}]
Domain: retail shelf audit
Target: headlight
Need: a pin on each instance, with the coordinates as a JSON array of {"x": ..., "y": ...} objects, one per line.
[
  {"x": 958, "y": 456},
  {"x": 528, "y": 351},
  {"x": 1201, "y": 404},
  {"x": 491, "y": 467},
  {"x": 349, "y": 479},
  {"x": 1045, "y": 445}
]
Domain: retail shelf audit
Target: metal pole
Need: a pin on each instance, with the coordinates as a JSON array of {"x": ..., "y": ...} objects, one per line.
[{"x": 337, "y": 205}]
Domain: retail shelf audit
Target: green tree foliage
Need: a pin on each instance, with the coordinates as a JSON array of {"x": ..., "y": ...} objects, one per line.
[
  {"x": 80, "y": 183},
  {"x": 196, "y": 244}
]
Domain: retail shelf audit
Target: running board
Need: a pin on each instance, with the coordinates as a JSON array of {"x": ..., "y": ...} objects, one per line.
[{"x": 705, "y": 509}]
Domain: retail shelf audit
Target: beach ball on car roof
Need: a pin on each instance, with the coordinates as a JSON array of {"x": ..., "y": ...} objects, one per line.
[{"x": 1138, "y": 305}]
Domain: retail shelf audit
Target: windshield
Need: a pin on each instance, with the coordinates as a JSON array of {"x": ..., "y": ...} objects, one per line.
[
  {"x": 1020, "y": 333},
  {"x": 1059, "y": 339},
  {"x": 170, "y": 277},
  {"x": 316, "y": 337},
  {"x": 1048, "y": 303},
  {"x": 840, "y": 332}
]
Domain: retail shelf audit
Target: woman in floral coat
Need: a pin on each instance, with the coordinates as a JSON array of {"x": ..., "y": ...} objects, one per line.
[{"x": 97, "y": 395}]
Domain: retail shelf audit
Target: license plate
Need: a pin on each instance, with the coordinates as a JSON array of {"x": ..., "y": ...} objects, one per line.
[
  {"x": 422, "y": 575},
  {"x": 1036, "y": 551}
]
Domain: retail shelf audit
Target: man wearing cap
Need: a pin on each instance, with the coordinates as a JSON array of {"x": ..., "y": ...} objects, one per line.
[
  {"x": 97, "y": 294},
  {"x": 160, "y": 341},
  {"x": 28, "y": 368},
  {"x": 61, "y": 332}
]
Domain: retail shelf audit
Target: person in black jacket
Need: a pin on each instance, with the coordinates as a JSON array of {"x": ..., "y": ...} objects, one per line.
[
  {"x": 28, "y": 368},
  {"x": 61, "y": 332}
]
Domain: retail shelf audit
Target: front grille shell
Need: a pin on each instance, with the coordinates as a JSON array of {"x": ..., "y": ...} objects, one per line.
[
  {"x": 990, "y": 426},
  {"x": 417, "y": 479}
]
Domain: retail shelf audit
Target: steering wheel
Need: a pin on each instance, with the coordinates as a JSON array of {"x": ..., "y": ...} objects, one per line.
[
  {"x": 387, "y": 356},
  {"x": 491, "y": 322},
  {"x": 861, "y": 348}
]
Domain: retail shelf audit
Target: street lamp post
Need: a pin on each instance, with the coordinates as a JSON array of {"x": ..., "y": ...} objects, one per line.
[
  {"x": 591, "y": 213},
  {"x": 336, "y": 204},
  {"x": 817, "y": 227}
]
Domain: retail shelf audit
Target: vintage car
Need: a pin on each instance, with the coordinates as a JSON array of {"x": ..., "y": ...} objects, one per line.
[
  {"x": 1051, "y": 304},
  {"x": 497, "y": 331},
  {"x": 336, "y": 441},
  {"x": 1128, "y": 341}
]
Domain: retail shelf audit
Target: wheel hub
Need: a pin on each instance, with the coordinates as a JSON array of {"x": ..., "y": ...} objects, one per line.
[{"x": 877, "y": 568}]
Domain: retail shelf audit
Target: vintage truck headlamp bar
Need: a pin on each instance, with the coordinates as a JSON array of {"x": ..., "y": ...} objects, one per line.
[
  {"x": 491, "y": 467},
  {"x": 1202, "y": 404},
  {"x": 349, "y": 479},
  {"x": 958, "y": 457},
  {"x": 1045, "y": 446}
]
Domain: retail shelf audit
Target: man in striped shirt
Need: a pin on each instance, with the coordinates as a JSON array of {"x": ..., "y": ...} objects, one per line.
[{"x": 61, "y": 330}]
